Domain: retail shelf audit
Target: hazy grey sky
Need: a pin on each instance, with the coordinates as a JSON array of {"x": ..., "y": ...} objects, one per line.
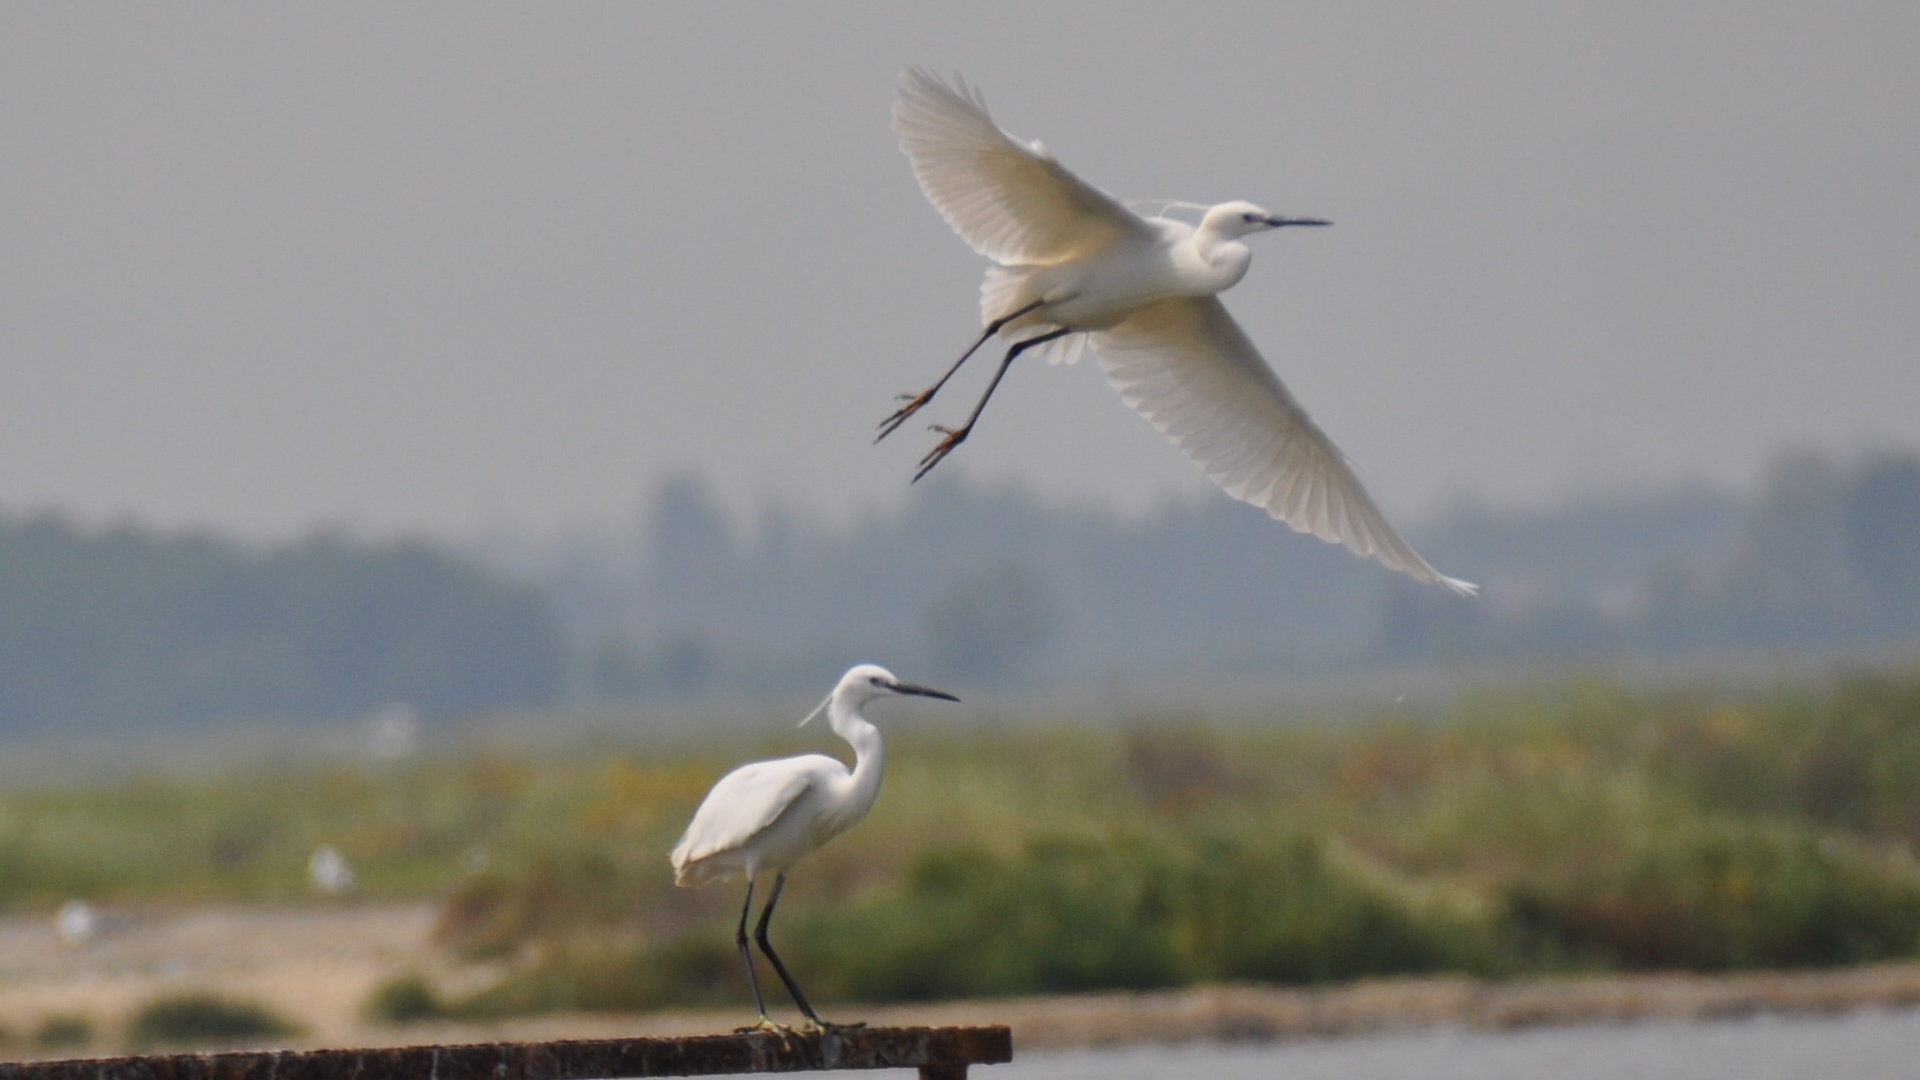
[{"x": 430, "y": 267}]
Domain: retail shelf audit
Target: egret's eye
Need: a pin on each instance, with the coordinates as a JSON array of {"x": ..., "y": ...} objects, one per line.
[
  {"x": 874, "y": 679},
  {"x": 1249, "y": 218}
]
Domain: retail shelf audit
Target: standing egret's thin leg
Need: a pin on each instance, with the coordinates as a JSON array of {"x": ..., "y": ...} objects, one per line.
[
  {"x": 760, "y": 935},
  {"x": 914, "y": 401},
  {"x": 956, "y": 436},
  {"x": 746, "y": 957}
]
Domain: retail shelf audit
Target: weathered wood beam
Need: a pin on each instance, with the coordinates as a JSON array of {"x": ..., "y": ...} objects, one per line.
[{"x": 939, "y": 1054}]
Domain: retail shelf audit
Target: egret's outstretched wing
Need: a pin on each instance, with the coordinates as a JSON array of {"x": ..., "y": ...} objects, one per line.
[
  {"x": 744, "y": 802},
  {"x": 1188, "y": 367},
  {"x": 1012, "y": 202}
]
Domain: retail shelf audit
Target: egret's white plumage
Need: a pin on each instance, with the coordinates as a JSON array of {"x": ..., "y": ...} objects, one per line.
[
  {"x": 1012, "y": 201},
  {"x": 733, "y": 833},
  {"x": 767, "y": 814},
  {"x": 1077, "y": 267}
]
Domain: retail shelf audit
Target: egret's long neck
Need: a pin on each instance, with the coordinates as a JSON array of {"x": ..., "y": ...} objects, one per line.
[
  {"x": 869, "y": 752},
  {"x": 1223, "y": 259}
]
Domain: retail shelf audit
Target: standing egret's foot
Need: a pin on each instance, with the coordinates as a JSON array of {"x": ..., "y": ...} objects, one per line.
[
  {"x": 828, "y": 1027},
  {"x": 913, "y": 405},
  {"x": 766, "y": 1024},
  {"x": 954, "y": 437}
]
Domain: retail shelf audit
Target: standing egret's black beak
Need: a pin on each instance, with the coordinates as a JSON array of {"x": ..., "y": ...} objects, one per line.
[
  {"x": 922, "y": 691},
  {"x": 1276, "y": 222}
]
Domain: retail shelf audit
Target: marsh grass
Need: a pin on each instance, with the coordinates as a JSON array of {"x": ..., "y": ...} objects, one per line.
[
  {"x": 1140, "y": 912},
  {"x": 1572, "y": 828},
  {"x": 1583, "y": 825}
]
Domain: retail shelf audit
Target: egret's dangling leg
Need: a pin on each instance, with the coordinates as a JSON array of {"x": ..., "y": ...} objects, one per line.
[
  {"x": 746, "y": 957},
  {"x": 956, "y": 436},
  {"x": 915, "y": 401}
]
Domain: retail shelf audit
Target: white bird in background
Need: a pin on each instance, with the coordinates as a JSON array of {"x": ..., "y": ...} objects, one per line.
[
  {"x": 767, "y": 814},
  {"x": 1077, "y": 265},
  {"x": 329, "y": 871}
]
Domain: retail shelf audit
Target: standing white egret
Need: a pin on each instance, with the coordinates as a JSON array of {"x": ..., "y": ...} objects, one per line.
[
  {"x": 1075, "y": 264},
  {"x": 767, "y": 814}
]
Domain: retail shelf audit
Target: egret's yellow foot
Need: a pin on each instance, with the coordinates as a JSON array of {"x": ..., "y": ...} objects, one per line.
[{"x": 827, "y": 1027}]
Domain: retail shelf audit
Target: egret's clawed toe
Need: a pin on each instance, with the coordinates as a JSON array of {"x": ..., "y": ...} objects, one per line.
[
  {"x": 828, "y": 1027},
  {"x": 913, "y": 404},
  {"x": 765, "y": 1024},
  {"x": 954, "y": 437}
]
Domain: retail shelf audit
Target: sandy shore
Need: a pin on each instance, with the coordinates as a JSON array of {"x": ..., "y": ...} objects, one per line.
[{"x": 316, "y": 965}]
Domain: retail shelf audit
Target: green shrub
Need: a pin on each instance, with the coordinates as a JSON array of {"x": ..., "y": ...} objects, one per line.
[
  {"x": 203, "y": 1018},
  {"x": 1066, "y": 915},
  {"x": 61, "y": 1031},
  {"x": 1078, "y": 915},
  {"x": 1305, "y": 909},
  {"x": 1729, "y": 896},
  {"x": 1063, "y": 915},
  {"x": 402, "y": 999}
]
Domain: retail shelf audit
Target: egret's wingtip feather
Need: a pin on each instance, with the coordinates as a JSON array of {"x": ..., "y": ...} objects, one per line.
[{"x": 1187, "y": 367}]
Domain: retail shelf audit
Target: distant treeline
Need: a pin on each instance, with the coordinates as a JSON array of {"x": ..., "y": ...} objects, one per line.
[
  {"x": 997, "y": 586},
  {"x": 1824, "y": 557},
  {"x": 127, "y": 628},
  {"x": 972, "y": 586}
]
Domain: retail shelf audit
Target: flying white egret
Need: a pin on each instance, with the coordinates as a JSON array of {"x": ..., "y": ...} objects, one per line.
[
  {"x": 767, "y": 814},
  {"x": 1075, "y": 264}
]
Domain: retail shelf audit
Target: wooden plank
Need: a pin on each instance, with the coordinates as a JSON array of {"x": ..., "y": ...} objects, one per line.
[{"x": 936, "y": 1052}]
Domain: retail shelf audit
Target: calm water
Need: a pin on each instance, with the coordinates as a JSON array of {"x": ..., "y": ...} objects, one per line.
[{"x": 1857, "y": 1046}]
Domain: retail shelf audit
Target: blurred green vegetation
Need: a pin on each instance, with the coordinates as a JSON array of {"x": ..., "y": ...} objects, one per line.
[
  {"x": 248, "y": 836},
  {"x": 1577, "y": 826},
  {"x": 403, "y": 999},
  {"x": 63, "y": 1031},
  {"x": 188, "y": 1019}
]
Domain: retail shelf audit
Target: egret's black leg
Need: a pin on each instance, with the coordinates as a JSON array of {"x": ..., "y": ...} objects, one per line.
[
  {"x": 746, "y": 955},
  {"x": 956, "y": 436},
  {"x": 760, "y": 935},
  {"x": 915, "y": 401}
]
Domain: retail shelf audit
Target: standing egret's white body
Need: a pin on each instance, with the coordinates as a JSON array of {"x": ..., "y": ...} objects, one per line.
[
  {"x": 1075, "y": 264},
  {"x": 767, "y": 814}
]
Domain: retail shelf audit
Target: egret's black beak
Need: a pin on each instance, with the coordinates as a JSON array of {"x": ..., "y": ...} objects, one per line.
[
  {"x": 1276, "y": 222},
  {"x": 922, "y": 691}
]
